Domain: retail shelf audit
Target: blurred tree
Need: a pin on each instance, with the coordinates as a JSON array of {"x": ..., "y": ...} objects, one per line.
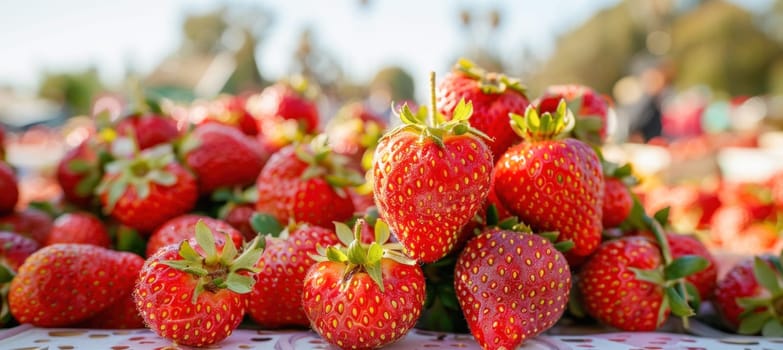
[
  {"x": 315, "y": 63},
  {"x": 394, "y": 82},
  {"x": 73, "y": 90}
]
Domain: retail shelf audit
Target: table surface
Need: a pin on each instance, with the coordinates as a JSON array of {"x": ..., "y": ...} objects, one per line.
[{"x": 28, "y": 337}]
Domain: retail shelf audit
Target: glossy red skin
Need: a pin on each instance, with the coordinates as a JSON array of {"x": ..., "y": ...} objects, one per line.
[
  {"x": 79, "y": 227},
  {"x": 511, "y": 287},
  {"x": 739, "y": 282},
  {"x": 29, "y": 222},
  {"x": 610, "y": 291},
  {"x": 69, "y": 180},
  {"x": 526, "y": 183},
  {"x": 593, "y": 103},
  {"x": 162, "y": 203},
  {"x": 239, "y": 218},
  {"x": 492, "y": 198},
  {"x": 276, "y": 299},
  {"x": 360, "y": 315},
  {"x": 64, "y": 284},
  {"x": 15, "y": 248},
  {"x": 149, "y": 130},
  {"x": 232, "y": 111},
  {"x": 278, "y": 103},
  {"x": 427, "y": 193},
  {"x": 183, "y": 227},
  {"x": 617, "y": 202},
  {"x": 164, "y": 299},
  {"x": 224, "y": 157},
  {"x": 490, "y": 110},
  {"x": 705, "y": 280},
  {"x": 122, "y": 314},
  {"x": 9, "y": 189},
  {"x": 283, "y": 193}
]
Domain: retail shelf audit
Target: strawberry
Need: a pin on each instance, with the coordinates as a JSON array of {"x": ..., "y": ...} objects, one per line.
[
  {"x": 748, "y": 297},
  {"x": 705, "y": 280},
  {"x": 79, "y": 227},
  {"x": 285, "y": 112},
  {"x": 183, "y": 227},
  {"x": 238, "y": 216},
  {"x": 15, "y": 248},
  {"x": 63, "y": 284},
  {"x": 230, "y": 110},
  {"x": 590, "y": 108},
  {"x": 512, "y": 286},
  {"x": 553, "y": 184},
  {"x": 493, "y": 95},
  {"x": 79, "y": 172},
  {"x": 148, "y": 129},
  {"x": 276, "y": 299},
  {"x": 430, "y": 179},
  {"x": 196, "y": 293},
  {"x": 363, "y": 296},
  {"x": 122, "y": 314},
  {"x": 306, "y": 183},
  {"x": 9, "y": 189},
  {"x": 29, "y": 222},
  {"x": 617, "y": 196},
  {"x": 222, "y": 156},
  {"x": 354, "y": 132},
  {"x": 148, "y": 189}
]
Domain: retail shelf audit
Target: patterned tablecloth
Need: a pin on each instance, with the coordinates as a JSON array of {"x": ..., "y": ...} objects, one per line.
[{"x": 29, "y": 338}]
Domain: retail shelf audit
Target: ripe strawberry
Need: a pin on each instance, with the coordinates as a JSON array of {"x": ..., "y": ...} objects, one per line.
[
  {"x": 64, "y": 284},
  {"x": 553, "y": 184},
  {"x": 145, "y": 191},
  {"x": 361, "y": 296},
  {"x": 493, "y": 95},
  {"x": 512, "y": 286},
  {"x": 222, "y": 156},
  {"x": 79, "y": 172},
  {"x": 429, "y": 180},
  {"x": 306, "y": 183},
  {"x": 148, "y": 130},
  {"x": 230, "y": 110},
  {"x": 29, "y": 222},
  {"x": 354, "y": 132},
  {"x": 238, "y": 216},
  {"x": 183, "y": 227},
  {"x": 749, "y": 297},
  {"x": 276, "y": 299},
  {"x": 122, "y": 314},
  {"x": 196, "y": 293},
  {"x": 9, "y": 189},
  {"x": 284, "y": 113},
  {"x": 80, "y": 227},
  {"x": 590, "y": 108},
  {"x": 704, "y": 280},
  {"x": 617, "y": 196},
  {"x": 15, "y": 248}
]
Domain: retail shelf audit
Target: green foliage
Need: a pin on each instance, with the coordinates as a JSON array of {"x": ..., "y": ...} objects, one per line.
[{"x": 74, "y": 89}]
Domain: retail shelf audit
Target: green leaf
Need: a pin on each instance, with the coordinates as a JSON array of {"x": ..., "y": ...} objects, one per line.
[
  {"x": 677, "y": 303},
  {"x": 186, "y": 266},
  {"x": 116, "y": 190},
  {"x": 6, "y": 274},
  {"x": 239, "y": 283},
  {"x": 685, "y": 266},
  {"x": 129, "y": 240},
  {"x": 250, "y": 256},
  {"x": 356, "y": 253},
  {"x": 653, "y": 276},
  {"x": 662, "y": 216},
  {"x": 229, "y": 251},
  {"x": 381, "y": 231},
  {"x": 312, "y": 171},
  {"x": 463, "y": 111},
  {"x": 752, "y": 303},
  {"x": 188, "y": 253},
  {"x": 265, "y": 224},
  {"x": 693, "y": 297},
  {"x": 376, "y": 274},
  {"x": 162, "y": 178},
  {"x": 766, "y": 276},
  {"x": 753, "y": 323},
  {"x": 142, "y": 189},
  {"x": 773, "y": 328},
  {"x": 564, "y": 246},
  {"x": 344, "y": 233},
  {"x": 205, "y": 239},
  {"x": 79, "y": 166},
  {"x": 336, "y": 255},
  {"x": 448, "y": 297},
  {"x": 87, "y": 185},
  {"x": 374, "y": 253}
]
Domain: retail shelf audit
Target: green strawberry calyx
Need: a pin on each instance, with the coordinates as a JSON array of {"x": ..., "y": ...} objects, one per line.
[
  {"x": 216, "y": 270},
  {"x": 361, "y": 257},
  {"x": 324, "y": 163},
  {"x": 764, "y": 313},
  {"x": 541, "y": 127},
  {"x": 489, "y": 82},
  {"x": 138, "y": 172}
]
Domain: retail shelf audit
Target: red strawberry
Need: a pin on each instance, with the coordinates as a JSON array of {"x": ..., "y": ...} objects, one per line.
[
  {"x": 363, "y": 296},
  {"x": 79, "y": 227},
  {"x": 493, "y": 95},
  {"x": 591, "y": 110},
  {"x": 29, "y": 222},
  {"x": 148, "y": 130},
  {"x": 704, "y": 280},
  {"x": 79, "y": 172},
  {"x": 238, "y": 216},
  {"x": 15, "y": 248},
  {"x": 429, "y": 180},
  {"x": 122, "y": 314},
  {"x": 196, "y": 295},
  {"x": 183, "y": 227},
  {"x": 511, "y": 286},
  {"x": 145, "y": 191},
  {"x": 276, "y": 300},
  {"x": 553, "y": 184},
  {"x": 306, "y": 183},
  {"x": 222, "y": 156},
  {"x": 64, "y": 284},
  {"x": 617, "y": 196},
  {"x": 230, "y": 110},
  {"x": 9, "y": 189},
  {"x": 354, "y": 132},
  {"x": 748, "y": 297},
  {"x": 284, "y": 113}
]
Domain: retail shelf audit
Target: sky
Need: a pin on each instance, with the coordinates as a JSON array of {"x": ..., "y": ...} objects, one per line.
[{"x": 419, "y": 35}]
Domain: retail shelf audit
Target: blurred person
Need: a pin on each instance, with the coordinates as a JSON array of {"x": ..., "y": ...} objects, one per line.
[{"x": 647, "y": 123}]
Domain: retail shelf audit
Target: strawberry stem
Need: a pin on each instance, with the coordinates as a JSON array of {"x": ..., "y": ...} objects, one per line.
[
  {"x": 666, "y": 253},
  {"x": 433, "y": 119}
]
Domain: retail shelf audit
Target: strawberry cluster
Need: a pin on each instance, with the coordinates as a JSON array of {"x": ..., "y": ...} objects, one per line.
[{"x": 485, "y": 212}]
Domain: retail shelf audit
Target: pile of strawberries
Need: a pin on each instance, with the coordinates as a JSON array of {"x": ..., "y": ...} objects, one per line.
[{"x": 483, "y": 212}]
